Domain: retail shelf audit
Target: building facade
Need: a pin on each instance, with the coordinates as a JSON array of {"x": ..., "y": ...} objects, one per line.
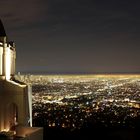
[{"x": 15, "y": 96}]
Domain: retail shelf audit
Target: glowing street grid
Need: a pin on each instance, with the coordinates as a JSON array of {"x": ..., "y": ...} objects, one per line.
[{"x": 75, "y": 101}]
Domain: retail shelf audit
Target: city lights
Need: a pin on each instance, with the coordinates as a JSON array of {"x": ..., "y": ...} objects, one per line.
[{"x": 79, "y": 99}]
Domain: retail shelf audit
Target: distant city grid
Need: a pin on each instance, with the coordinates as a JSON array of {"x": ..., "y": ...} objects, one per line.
[{"x": 77, "y": 101}]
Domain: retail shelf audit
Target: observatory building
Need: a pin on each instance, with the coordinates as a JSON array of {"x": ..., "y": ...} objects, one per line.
[{"x": 15, "y": 98}]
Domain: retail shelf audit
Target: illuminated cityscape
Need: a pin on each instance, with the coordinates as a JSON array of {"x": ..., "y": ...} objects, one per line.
[{"x": 76, "y": 102}]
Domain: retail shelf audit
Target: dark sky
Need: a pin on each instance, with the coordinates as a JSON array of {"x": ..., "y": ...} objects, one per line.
[{"x": 71, "y": 36}]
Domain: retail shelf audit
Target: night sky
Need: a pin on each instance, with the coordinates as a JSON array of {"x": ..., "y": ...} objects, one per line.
[{"x": 74, "y": 36}]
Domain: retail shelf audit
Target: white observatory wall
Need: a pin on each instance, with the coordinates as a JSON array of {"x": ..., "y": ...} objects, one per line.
[
  {"x": 7, "y": 60},
  {"x": 7, "y": 63},
  {"x": 30, "y": 103},
  {"x": 12, "y": 62}
]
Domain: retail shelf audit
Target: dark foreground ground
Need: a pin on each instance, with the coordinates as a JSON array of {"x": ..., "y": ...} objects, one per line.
[{"x": 93, "y": 133}]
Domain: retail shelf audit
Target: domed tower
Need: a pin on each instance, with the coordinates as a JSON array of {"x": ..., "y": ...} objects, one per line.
[
  {"x": 7, "y": 56},
  {"x": 15, "y": 96}
]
